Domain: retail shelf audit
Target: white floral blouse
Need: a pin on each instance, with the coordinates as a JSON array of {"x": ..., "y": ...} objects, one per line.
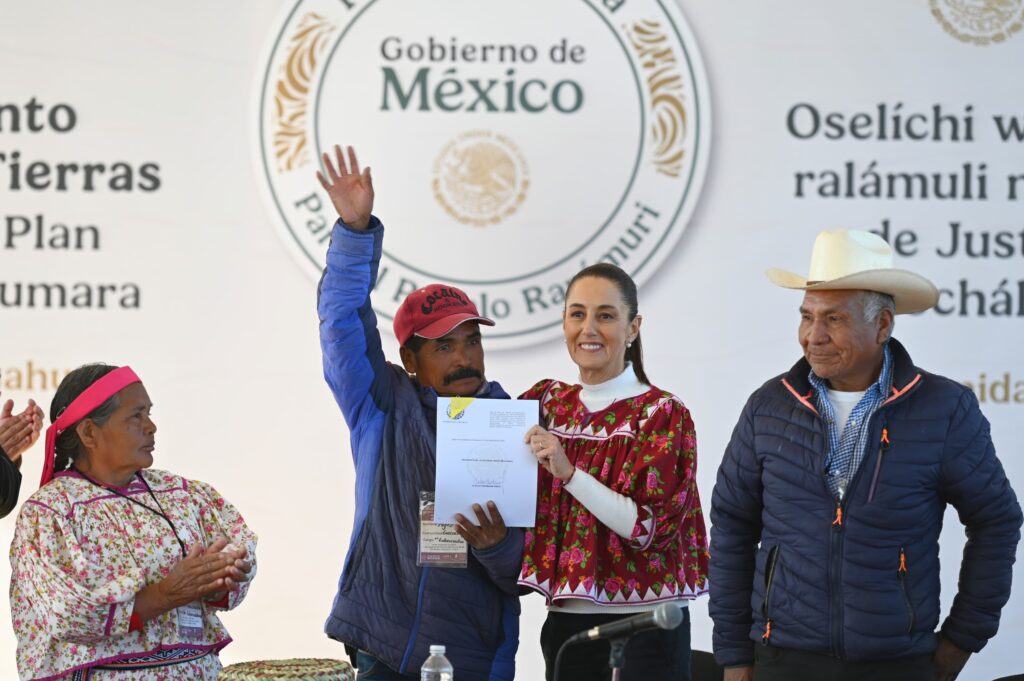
[{"x": 81, "y": 553}]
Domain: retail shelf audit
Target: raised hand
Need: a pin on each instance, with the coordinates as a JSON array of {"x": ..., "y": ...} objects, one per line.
[
  {"x": 351, "y": 191},
  {"x": 488, "y": 533}
]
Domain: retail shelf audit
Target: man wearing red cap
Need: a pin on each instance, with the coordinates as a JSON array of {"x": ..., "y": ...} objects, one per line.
[{"x": 389, "y": 607}]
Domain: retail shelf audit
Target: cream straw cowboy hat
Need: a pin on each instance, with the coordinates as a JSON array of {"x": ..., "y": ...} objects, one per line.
[{"x": 854, "y": 259}]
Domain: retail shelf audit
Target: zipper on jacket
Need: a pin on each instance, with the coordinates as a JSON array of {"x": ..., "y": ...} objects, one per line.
[
  {"x": 901, "y": 572},
  {"x": 835, "y": 563},
  {"x": 835, "y": 591},
  {"x": 415, "y": 631},
  {"x": 883, "y": 447},
  {"x": 769, "y": 575},
  {"x": 837, "y": 520},
  {"x": 837, "y": 616},
  {"x": 836, "y": 550}
]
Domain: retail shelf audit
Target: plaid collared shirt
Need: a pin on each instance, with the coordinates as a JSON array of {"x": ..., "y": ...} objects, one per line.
[{"x": 846, "y": 449}]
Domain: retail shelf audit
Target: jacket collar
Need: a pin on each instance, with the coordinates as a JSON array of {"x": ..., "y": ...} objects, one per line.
[{"x": 905, "y": 377}]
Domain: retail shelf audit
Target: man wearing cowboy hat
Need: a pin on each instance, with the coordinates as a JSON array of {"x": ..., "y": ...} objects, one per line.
[{"x": 829, "y": 501}]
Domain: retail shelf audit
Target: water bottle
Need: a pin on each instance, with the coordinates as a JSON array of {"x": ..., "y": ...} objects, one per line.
[{"x": 437, "y": 667}]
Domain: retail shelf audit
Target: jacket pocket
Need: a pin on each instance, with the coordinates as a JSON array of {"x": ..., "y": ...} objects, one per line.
[
  {"x": 883, "y": 447},
  {"x": 901, "y": 573},
  {"x": 766, "y": 604}
]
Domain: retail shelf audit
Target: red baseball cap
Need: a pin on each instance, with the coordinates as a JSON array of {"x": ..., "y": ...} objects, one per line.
[{"x": 433, "y": 311}]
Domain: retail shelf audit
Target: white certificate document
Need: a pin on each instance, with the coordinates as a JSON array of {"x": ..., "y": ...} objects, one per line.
[{"x": 481, "y": 457}]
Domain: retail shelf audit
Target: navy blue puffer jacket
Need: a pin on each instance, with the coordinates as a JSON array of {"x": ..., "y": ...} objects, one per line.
[{"x": 791, "y": 567}]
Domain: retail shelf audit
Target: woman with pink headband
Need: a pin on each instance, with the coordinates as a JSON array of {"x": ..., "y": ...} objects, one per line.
[{"x": 118, "y": 569}]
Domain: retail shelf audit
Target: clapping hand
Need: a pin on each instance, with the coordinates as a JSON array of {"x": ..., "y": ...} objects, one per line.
[
  {"x": 20, "y": 431},
  {"x": 203, "y": 572},
  {"x": 351, "y": 191},
  {"x": 239, "y": 572}
]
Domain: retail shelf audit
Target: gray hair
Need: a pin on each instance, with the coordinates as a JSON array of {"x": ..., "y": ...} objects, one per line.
[
  {"x": 873, "y": 302},
  {"x": 68, "y": 445}
]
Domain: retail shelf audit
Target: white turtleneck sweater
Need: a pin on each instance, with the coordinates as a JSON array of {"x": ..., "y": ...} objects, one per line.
[{"x": 617, "y": 511}]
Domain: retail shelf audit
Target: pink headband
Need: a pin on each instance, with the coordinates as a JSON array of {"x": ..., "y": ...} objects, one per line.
[{"x": 93, "y": 396}]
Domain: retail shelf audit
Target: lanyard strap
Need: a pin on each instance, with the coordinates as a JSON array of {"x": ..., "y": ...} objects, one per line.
[{"x": 160, "y": 513}]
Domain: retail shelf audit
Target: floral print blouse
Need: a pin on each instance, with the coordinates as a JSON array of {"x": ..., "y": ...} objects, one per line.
[
  {"x": 81, "y": 553},
  {"x": 643, "y": 447}
]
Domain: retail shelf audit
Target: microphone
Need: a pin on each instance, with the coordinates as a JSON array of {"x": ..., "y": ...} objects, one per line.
[{"x": 665, "y": 616}]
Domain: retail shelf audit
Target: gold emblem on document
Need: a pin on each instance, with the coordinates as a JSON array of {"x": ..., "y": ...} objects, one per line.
[
  {"x": 981, "y": 22},
  {"x": 480, "y": 178}
]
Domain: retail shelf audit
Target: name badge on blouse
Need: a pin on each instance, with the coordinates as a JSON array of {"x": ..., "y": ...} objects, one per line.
[
  {"x": 190, "y": 622},
  {"x": 440, "y": 545}
]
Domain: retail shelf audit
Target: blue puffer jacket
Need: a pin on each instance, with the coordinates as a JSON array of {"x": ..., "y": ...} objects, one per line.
[
  {"x": 792, "y": 568},
  {"x": 387, "y": 605}
]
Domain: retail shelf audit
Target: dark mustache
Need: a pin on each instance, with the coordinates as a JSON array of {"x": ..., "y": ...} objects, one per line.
[{"x": 458, "y": 375}]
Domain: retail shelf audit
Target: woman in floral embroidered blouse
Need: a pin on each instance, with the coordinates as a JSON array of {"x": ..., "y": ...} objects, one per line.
[
  {"x": 619, "y": 524},
  {"x": 117, "y": 572}
]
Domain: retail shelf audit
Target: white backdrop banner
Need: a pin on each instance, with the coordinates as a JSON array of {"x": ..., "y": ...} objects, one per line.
[
  {"x": 498, "y": 122},
  {"x": 158, "y": 207}
]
